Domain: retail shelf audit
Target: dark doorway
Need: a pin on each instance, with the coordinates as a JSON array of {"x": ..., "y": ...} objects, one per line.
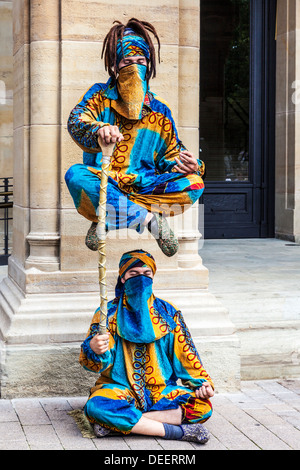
[{"x": 237, "y": 117}]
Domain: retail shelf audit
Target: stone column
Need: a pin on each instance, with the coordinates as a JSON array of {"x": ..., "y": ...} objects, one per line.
[
  {"x": 52, "y": 290},
  {"x": 6, "y": 85},
  {"x": 287, "y": 121}
]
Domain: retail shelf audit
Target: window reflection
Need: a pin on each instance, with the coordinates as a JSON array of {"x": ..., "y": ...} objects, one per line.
[{"x": 224, "y": 89}]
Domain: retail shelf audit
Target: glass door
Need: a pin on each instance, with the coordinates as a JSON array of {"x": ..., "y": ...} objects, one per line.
[{"x": 237, "y": 99}]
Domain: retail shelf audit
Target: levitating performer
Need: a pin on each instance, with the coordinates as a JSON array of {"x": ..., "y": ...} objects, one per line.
[{"x": 152, "y": 175}]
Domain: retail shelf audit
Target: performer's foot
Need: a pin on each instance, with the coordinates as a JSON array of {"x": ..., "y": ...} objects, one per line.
[
  {"x": 100, "y": 431},
  {"x": 91, "y": 239},
  {"x": 159, "y": 228},
  {"x": 195, "y": 433}
]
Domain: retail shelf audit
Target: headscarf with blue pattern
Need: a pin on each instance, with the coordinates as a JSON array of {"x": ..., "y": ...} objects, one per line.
[{"x": 132, "y": 45}]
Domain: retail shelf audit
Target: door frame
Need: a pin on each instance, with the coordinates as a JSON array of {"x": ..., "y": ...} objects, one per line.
[{"x": 257, "y": 220}]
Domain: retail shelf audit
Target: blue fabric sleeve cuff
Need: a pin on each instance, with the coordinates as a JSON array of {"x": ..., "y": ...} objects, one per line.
[{"x": 90, "y": 354}]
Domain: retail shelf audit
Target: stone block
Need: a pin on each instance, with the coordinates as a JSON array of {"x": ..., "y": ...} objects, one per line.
[
  {"x": 21, "y": 164},
  {"x": 45, "y": 82},
  {"x": 287, "y": 17},
  {"x": 45, "y": 371},
  {"x": 190, "y": 138},
  {"x": 44, "y": 156},
  {"x": 6, "y": 152},
  {"x": 99, "y": 18},
  {"x": 286, "y": 71},
  {"x": 166, "y": 83},
  {"x": 220, "y": 357},
  {"x": 81, "y": 67},
  {"x": 21, "y": 22},
  {"x": 189, "y": 23},
  {"x": 44, "y": 20},
  {"x": 21, "y": 88},
  {"x": 6, "y": 30},
  {"x": 21, "y": 221},
  {"x": 188, "y": 93}
]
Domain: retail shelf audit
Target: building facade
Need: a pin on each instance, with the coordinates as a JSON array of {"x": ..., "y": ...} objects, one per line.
[{"x": 244, "y": 124}]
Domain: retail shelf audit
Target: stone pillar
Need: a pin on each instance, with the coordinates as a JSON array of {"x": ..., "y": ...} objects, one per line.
[
  {"x": 287, "y": 121},
  {"x": 6, "y": 85},
  {"x": 52, "y": 290}
]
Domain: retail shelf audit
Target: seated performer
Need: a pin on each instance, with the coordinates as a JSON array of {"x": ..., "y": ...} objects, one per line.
[
  {"x": 152, "y": 175},
  {"x": 147, "y": 349}
]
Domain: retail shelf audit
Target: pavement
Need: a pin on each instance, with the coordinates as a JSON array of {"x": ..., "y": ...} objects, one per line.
[
  {"x": 262, "y": 415},
  {"x": 265, "y": 271}
]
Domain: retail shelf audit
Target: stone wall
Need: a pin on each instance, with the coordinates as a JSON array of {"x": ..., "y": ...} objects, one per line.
[{"x": 287, "y": 192}]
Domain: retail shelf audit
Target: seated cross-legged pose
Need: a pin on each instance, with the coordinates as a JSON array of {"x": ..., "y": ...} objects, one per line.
[
  {"x": 152, "y": 175},
  {"x": 147, "y": 349}
]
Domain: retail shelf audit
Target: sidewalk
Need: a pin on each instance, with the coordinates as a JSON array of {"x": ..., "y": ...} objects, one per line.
[{"x": 264, "y": 415}]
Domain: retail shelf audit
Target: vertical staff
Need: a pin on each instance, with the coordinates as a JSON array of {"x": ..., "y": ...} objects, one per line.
[{"x": 107, "y": 150}]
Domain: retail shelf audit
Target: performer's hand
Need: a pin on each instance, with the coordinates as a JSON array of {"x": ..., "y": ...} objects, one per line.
[
  {"x": 205, "y": 391},
  {"x": 99, "y": 343},
  {"x": 110, "y": 134},
  {"x": 186, "y": 164}
]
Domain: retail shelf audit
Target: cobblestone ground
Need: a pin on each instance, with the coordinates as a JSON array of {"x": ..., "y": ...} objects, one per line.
[{"x": 264, "y": 415}]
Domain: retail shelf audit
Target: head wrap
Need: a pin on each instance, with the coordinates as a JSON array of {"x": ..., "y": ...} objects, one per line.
[
  {"x": 132, "y": 45},
  {"x": 128, "y": 261},
  {"x": 131, "y": 258}
]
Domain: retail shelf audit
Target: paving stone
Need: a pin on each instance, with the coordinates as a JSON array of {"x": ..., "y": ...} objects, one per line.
[
  {"x": 229, "y": 435},
  {"x": 42, "y": 437},
  {"x": 30, "y": 411},
  {"x": 77, "y": 402},
  {"x": 142, "y": 442},
  {"x": 262, "y": 437},
  {"x": 292, "y": 417},
  {"x": 56, "y": 408},
  {"x": 174, "y": 445},
  {"x": 7, "y": 411},
  {"x": 212, "y": 444},
  {"x": 70, "y": 436},
  {"x": 288, "y": 434},
  {"x": 113, "y": 443},
  {"x": 291, "y": 384},
  {"x": 12, "y": 437}
]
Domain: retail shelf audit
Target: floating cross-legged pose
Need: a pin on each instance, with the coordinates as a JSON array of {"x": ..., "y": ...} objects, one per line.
[{"x": 152, "y": 175}]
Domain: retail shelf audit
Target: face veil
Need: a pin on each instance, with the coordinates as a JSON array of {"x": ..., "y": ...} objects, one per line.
[
  {"x": 132, "y": 88},
  {"x": 131, "y": 82},
  {"x": 140, "y": 317}
]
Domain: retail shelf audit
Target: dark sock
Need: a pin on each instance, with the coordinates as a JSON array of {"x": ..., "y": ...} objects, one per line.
[{"x": 172, "y": 432}]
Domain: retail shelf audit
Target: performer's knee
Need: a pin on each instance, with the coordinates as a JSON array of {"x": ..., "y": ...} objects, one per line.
[
  {"x": 196, "y": 410},
  {"x": 73, "y": 172},
  {"x": 108, "y": 409},
  {"x": 196, "y": 188}
]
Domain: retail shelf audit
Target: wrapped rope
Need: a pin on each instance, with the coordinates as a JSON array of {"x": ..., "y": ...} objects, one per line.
[{"x": 107, "y": 151}]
